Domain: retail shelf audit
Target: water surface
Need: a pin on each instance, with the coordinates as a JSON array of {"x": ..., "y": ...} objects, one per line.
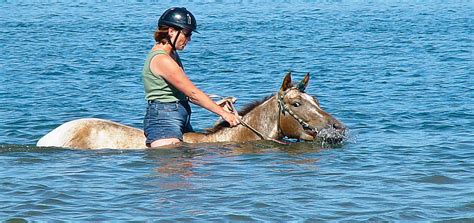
[{"x": 399, "y": 74}]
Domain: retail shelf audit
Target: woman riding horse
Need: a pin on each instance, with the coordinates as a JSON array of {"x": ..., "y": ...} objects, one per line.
[
  {"x": 167, "y": 87},
  {"x": 290, "y": 113}
]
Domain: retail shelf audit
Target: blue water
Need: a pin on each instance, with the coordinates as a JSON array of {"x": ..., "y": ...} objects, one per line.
[{"x": 399, "y": 74}]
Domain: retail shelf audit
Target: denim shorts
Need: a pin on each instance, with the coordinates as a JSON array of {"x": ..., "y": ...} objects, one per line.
[{"x": 166, "y": 120}]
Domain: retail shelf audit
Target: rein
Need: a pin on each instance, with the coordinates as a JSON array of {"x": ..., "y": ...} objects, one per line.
[{"x": 255, "y": 130}]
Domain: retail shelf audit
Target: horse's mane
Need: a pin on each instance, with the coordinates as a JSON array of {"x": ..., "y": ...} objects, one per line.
[{"x": 249, "y": 107}]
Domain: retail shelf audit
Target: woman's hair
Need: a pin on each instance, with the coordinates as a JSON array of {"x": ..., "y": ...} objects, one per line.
[{"x": 161, "y": 35}]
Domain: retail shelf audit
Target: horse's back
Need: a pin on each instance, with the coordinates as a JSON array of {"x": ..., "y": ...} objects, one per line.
[
  {"x": 93, "y": 133},
  {"x": 61, "y": 135}
]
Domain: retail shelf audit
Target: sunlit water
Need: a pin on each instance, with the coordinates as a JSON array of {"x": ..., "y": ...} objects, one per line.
[{"x": 398, "y": 74}]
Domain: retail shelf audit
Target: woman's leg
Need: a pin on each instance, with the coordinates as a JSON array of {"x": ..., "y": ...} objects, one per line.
[
  {"x": 165, "y": 142},
  {"x": 165, "y": 123}
]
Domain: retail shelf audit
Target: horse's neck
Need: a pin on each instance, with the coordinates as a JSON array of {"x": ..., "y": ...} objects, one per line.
[{"x": 263, "y": 118}]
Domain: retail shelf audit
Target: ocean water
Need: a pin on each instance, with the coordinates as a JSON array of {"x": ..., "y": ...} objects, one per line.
[{"x": 399, "y": 74}]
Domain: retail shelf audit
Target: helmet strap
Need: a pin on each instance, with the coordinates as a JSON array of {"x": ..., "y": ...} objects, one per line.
[{"x": 173, "y": 45}]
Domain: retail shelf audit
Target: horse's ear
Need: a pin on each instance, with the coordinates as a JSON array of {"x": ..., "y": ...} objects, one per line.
[
  {"x": 286, "y": 82},
  {"x": 303, "y": 83}
]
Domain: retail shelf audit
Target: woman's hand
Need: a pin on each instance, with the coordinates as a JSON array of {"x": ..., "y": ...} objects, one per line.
[
  {"x": 232, "y": 119},
  {"x": 226, "y": 103}
]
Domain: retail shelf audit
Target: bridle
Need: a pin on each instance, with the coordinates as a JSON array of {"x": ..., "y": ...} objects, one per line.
[{"x": 282, "y": 109}]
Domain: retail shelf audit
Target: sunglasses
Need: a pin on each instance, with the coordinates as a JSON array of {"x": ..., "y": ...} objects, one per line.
[{"x": 187, "y": 34}]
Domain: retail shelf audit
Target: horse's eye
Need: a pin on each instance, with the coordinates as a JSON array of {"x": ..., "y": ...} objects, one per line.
[{"x": 296, "y": 104}]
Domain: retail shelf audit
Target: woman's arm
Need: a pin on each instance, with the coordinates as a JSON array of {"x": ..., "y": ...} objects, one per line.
[{"x": 166, "y": 67}]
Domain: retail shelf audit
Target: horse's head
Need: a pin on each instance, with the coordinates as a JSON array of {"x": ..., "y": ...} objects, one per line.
[{"x": 301, "y": 116}]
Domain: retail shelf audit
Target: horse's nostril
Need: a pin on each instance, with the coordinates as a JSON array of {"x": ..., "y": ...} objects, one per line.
[{"x": 337, "y": 125}]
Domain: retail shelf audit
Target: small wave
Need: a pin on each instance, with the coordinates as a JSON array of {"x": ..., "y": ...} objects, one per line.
[
  {"x": 16, "y": 220},
  {"x": 460, "y": 220},
  {"x": 437, "y": 179}
]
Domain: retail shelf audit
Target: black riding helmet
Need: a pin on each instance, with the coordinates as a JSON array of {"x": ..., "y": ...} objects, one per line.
[{"x": 179, "y": 18}]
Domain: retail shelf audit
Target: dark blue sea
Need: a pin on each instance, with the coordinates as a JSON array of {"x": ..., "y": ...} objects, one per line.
[{"x": 399, "y": 74}]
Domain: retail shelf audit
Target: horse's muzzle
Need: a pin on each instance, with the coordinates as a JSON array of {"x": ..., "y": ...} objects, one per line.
[{"x": 332, "y": 135}]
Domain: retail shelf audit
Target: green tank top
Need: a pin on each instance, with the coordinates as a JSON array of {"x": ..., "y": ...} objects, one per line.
[{"x": 156, "y": 87}]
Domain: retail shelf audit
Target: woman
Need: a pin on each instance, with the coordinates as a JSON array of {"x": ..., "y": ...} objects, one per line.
[{"x": 167, "y": 88}]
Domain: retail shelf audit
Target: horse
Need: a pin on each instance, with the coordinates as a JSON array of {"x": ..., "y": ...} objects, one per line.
[{"x": 289, "y": 114}]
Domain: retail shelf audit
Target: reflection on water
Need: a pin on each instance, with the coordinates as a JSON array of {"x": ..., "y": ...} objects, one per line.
[{"x": 177, "y": 168}]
